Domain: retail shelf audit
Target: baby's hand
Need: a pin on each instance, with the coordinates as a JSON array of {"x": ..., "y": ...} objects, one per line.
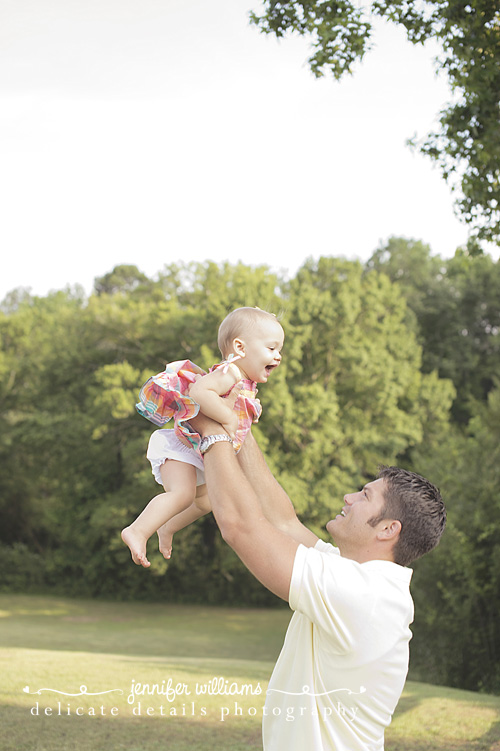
[{"x": 231, "y": 425}]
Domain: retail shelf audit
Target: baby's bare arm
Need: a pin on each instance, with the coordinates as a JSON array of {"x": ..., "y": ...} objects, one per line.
[{"x": 208, "y": 390}]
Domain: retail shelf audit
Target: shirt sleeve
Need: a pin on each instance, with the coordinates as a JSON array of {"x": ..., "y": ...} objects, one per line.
[
  {"x": 333, "y": 592},
  {"x": 326, "y": 547}
]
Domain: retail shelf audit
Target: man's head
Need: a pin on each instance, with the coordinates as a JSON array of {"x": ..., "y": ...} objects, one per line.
[
  {"x": 400, "y": 516},
  {"x": 417, "y": 504}
]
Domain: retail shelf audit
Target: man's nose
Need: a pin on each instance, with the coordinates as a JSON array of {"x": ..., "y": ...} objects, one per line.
[{"x": 349, "y": 498}]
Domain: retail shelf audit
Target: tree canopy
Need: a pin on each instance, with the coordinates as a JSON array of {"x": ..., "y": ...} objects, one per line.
[
  {"x": 394, "y": 361},
  {"x": 466, "y": 147}
]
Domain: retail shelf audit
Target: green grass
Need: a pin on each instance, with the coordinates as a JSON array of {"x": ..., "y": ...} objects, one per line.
[{"x": 64, "y": 645}]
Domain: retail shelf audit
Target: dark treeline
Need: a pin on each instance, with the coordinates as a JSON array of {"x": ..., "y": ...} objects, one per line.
[{"x": 390, "y": 362}]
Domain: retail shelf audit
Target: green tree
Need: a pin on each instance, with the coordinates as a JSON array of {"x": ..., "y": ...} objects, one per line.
[
  {"x": 124, "y": 278},
  {"x": 466, "y": 147},
  {"x": 412, "y": 267},
  {"x": 350, "y": 394},
  {"x": 360, "y": 384},
  {"x": 455, "y": 304},
  {"x": 457, "y": 587},
  {"x": 119, "y": 338}
]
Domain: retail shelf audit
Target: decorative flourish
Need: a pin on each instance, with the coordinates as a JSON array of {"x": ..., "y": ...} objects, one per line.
[
  {"x": 306, "y": 691},
  {"x": 83, "y": 691}
]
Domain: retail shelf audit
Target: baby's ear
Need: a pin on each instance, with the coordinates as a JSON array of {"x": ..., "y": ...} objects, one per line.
[{"x": 239, "y": 347}]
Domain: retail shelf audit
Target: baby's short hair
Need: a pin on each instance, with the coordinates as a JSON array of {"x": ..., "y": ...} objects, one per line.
[{"x": 239, "y": 323}]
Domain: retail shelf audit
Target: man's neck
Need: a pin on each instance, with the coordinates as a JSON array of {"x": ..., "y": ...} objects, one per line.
[{"x": 369, "y": 554}]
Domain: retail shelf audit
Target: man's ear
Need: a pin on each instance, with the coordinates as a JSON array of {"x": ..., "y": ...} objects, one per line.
[
  {"x": 389, "y": 529},
  {"x": 239, "y": 347}
]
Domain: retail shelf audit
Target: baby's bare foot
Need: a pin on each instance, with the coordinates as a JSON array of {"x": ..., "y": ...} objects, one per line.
[
  {"x": 165, "y": 541},
  {"x": 137, "y": 545}
]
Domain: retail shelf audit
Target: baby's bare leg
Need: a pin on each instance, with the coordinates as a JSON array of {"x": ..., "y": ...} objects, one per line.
[
  {"x": 199, "y": 507},
  {"x": 179, "y": 481}
]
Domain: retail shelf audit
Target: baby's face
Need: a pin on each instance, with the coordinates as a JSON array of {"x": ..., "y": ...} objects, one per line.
[{"x": 262, "y": 351}]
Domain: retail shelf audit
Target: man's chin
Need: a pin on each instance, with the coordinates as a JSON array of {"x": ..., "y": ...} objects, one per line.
[{"x": 330, "y": 527}]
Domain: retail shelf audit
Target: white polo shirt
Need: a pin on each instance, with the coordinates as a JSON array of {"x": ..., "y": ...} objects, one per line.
[{"x": 344, "y": 661}]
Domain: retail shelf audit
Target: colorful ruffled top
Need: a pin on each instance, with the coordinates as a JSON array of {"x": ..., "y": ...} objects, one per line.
[{"x": 165, "y": 396}]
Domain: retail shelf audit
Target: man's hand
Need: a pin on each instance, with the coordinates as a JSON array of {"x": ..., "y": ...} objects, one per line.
[{"x": 231, "y": 426}]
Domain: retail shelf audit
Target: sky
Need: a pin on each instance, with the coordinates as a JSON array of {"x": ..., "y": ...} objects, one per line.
[{"x": 149, "y": 132}]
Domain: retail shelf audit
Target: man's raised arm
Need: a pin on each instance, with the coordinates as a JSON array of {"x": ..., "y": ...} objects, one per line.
[
  {"x": 276, "y": 504},
  {"x": 267, "y": 551}
]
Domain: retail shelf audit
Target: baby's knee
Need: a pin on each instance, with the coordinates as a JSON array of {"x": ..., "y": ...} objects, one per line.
[
  {"x": 202, "y": 503},
  {"x": 185, "y": 496}
]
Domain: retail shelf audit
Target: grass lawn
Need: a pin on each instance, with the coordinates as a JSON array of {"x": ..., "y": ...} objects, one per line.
[{"x": 146, "y": 677}]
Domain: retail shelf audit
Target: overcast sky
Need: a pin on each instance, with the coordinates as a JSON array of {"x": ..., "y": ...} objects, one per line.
[{"x": 153, "y": 131}]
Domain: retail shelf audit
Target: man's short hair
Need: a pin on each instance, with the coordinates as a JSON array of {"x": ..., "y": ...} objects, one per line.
[{"x": 417, "y": 504}]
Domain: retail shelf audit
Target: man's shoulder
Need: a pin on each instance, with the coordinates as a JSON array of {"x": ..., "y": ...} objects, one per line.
[
  {"x": 324, "y": 559},
  {"x": 326, "y": 547}
]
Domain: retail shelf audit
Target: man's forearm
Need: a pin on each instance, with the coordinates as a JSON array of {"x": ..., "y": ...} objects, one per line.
[
  {"x": 266, "y": 550},
  {"x": 276, "y": 504}
]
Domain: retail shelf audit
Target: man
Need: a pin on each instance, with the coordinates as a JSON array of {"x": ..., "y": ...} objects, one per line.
[{"x": 345, "y": 658}]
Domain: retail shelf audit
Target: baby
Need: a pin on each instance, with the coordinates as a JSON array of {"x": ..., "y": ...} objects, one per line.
[{"x": 250, "y": 341}]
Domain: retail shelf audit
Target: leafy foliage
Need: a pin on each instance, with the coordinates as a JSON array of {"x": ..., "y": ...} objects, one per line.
[
  {"x": 466, "y": 147},
  {"x": 458, "y": 640},
  {"x": 456, "y": 312},
  {"x": 389, "y": 362},
  {"x": 339, "y": 30}
]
